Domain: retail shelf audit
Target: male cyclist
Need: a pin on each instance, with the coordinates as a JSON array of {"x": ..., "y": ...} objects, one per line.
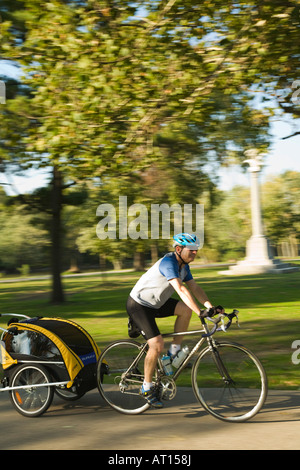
[{"x": 151, "y": 298}]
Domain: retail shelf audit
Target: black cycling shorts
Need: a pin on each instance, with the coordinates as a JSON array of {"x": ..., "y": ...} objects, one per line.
[{"x": 144, "y": 317}]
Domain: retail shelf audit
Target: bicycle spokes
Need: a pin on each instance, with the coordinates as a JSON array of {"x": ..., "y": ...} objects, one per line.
[
  {"x": 229, "y": 382},
  {"x": 120, "y": 385}
]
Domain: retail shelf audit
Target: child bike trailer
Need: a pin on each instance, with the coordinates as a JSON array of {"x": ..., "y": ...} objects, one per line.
[{"x": 40, "y": 356}]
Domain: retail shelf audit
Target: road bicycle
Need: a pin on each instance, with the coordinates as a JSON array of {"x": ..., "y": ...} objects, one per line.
[{"x": 227, "y": 378}]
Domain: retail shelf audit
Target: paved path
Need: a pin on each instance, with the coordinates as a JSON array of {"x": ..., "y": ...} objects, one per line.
[{"x": 89, "y": 424}]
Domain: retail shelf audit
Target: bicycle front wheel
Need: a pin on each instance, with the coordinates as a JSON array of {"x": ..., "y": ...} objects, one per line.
[
  {"x": 120, "y": 375},
  {"x": 230, "y": 382}
]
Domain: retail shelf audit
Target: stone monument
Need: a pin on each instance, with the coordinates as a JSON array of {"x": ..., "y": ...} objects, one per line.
[{"x": 259, "y": 257}]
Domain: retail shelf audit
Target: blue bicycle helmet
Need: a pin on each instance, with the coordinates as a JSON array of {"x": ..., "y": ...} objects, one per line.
[{"x": 192, "y": 242}]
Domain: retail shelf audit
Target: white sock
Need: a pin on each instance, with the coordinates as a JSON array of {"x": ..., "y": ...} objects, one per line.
[
  {"x": 174, "y": 348},
  {"x": 147, "y": 385}
]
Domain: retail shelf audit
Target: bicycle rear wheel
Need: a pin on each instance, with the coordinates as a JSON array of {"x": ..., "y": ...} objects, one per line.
[
  {"x": 120, "y": 374},
  {"x": 230, "y": 382}
]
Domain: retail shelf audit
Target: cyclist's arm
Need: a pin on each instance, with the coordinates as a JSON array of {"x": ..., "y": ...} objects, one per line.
[
  {"x": 199, "y": 293},
  {"x": 184, "y": 294}
]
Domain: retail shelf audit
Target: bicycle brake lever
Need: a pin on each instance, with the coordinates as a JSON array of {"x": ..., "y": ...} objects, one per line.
[
  {"x": 223, "y": 327},
  {"x": 235, "y": 312}
]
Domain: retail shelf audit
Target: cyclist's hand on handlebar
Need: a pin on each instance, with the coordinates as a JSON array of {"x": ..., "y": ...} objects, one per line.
[
  {"x": 210, "y": 312},
  {"x": 219, "y": 309}
]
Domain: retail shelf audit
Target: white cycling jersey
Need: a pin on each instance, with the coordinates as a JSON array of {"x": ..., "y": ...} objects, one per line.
[{"x": 153, "y": 288}]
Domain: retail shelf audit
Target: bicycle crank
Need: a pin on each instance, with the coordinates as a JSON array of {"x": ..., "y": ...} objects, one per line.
[{"x": 168, "y": 388}]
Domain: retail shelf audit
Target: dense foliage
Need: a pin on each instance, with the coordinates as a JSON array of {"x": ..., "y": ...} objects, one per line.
[{"x": 143, "y": 98}]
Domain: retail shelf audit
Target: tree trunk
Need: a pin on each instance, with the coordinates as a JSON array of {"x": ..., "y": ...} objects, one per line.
[
  {"x": 117, "y": 263},
  {"x": 57, "y": 295},
  {"x": 74, "y": 268},
  {"x": 102, "y": 262},
  {"x": 154, "y": 253},
  {"x": 139, "y": 261}
]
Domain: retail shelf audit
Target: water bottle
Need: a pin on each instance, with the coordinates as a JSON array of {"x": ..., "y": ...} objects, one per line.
[
  {"x": 180, "y": 357},
  {"x": 167, "y": 366}
]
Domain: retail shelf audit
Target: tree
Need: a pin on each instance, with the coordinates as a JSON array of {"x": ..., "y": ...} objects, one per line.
[
  {"x": 21, "y": 241},
  {"x": 229, "y": 225},
  {"x": 262, "y": 42},
  {"x": 281, "y": 209},
  {"x": 231, "y": 214},
  {"x": 107, "y": 85}
]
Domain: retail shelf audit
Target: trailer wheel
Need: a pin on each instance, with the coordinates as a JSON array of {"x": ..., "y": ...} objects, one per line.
[{"x": 34, "y": 396}]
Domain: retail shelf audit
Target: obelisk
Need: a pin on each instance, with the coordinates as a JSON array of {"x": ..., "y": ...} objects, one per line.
[{"x": 259, "y": 258}]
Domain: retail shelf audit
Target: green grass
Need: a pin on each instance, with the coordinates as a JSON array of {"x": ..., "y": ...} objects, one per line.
[{"x": 269, "y": 308}]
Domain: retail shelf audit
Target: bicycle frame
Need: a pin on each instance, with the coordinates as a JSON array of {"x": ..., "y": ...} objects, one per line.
[
  {"x": 191, "y": 353},
  {"x": 206, "y": 336},
  {"x": 174, "y": 376}
]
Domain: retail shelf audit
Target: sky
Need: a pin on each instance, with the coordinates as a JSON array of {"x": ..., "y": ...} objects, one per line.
[{"x": 283, "y": 155}]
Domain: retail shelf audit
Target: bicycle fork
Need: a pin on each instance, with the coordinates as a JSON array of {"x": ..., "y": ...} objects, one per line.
[{"x": 223, "y": 371}]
